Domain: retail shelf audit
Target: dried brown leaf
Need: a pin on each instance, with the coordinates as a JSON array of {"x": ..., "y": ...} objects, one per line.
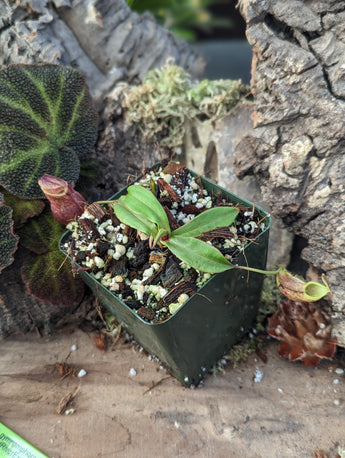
[
  {"x": 100, "y": 341},
  {"x": 65, "y": 370},
  {"x": 164, "y": 186}
]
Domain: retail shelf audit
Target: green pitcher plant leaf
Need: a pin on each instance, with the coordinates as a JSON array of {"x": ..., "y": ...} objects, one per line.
[
  {"x": 297, "y": 289},
  {"x": 293, "y": 287},
  {"x": 316, "y": 291},
  {"x": 141, "y": 201},
  {"x": 47, "y": 120},
  {"x": 8, "y": 240},
  {"x": 128, "y": 217},
  {"x": 210, "y": 219},
  {"x": 198, "y": 254},
  {"x": 140, "y": 209}
]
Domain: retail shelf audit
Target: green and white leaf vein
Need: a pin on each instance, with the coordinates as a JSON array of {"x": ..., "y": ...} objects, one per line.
[{"x": 46, "y": 121}]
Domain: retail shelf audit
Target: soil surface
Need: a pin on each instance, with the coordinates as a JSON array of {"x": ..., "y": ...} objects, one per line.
[{"x": 127, "y": 406}]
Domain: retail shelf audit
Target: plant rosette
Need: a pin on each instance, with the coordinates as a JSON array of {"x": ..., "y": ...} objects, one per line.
[{"x": 159, "y": 256}]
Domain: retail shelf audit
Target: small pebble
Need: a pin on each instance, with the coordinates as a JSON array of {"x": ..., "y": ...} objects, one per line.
[
  {"x": 336, "y": 402},
  {"x": 339, "y": 371},
  {"x": 82, "y": 373},
  {"x": 258, "y": 375},
  {"x": 280, "y": 390},
  {"x": 336, "y": 381},
  {"x": 74, "y": 347},
  {"x": 132, "y": 372}
]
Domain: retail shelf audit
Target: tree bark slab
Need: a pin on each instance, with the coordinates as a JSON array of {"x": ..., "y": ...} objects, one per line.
[
  {"x": 297, "y": 153},
  {"x": 105, "y": 40}
]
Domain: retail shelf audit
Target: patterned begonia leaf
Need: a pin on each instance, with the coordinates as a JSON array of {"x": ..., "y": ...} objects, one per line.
[
  {"x": 41, "y": 234},
  {"x": 47, "y": 120},
  {"x": 23, "y": 209},
  {"x": 50, "y": 279},
  {"x": 8, "y": 240},
  {"x": 46, "y": 273},
  {"x": 91, "y": 172}
]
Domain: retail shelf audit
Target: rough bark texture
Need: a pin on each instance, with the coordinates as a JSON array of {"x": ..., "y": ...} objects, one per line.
[
  {"x": 104, "y": 39},
  {"x": 121, "y": 148},
  {"x": 297, "y": 153},
  {"x": 210, "y": 148},
  {"x": 108, "y": 43}
]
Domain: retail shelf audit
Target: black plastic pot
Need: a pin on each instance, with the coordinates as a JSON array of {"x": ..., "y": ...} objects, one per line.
[{"x": 192, "y": 340}]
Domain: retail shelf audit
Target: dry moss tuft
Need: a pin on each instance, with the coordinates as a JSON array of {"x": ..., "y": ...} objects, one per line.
[{"x": 168, "y": 97}]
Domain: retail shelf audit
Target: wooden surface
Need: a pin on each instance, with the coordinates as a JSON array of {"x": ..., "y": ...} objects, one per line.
[{"x": 290, "y": 412}]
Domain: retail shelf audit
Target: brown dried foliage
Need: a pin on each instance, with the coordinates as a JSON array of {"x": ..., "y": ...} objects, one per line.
[
  {"x": 164, "y": 186},
  {"x": 65, "y": 370},
  {"x": 304, "y": 331},
  {"x": 100, "y": 341}
]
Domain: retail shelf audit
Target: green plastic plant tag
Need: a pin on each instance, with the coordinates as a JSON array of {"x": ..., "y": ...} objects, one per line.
[{"x": 12, "y": 445}]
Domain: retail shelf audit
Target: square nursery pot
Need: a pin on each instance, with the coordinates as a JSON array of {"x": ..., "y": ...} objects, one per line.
[{"x": 210, "y": 322}]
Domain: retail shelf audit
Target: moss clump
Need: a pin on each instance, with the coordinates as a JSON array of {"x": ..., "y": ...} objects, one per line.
[
  {"x": 270, "y": 297},
  {"x": 242, "y": 351},
  {"x": 168, "y": 97}
]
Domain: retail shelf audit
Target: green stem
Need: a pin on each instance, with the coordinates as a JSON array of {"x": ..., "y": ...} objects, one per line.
[
  {"x": 259, "y": 271},
  {"x": 159, "y": 235}
]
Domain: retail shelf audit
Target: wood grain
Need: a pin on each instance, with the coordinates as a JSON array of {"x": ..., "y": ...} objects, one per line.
[{"x": 290, "y": 412}]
